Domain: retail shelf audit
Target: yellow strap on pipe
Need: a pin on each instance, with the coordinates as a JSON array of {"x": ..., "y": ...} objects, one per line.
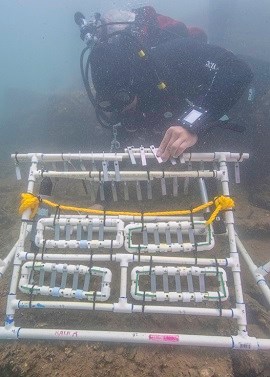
[{"x": 31, "y": 201}]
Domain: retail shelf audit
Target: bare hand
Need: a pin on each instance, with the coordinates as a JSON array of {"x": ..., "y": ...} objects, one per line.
[{"x": 176, "y": 140}]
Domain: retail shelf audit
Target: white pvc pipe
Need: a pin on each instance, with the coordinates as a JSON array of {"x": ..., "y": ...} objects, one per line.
[
  {"x": 229, "y": 219},
  {"x": 129, "y": 219},
  {"x": 171, "y": 226},
  {"x": 44, "y": 157},
  {"x": 181, "y": 310},
  {"x": 63, "y": 305},
  {"x": 127, "y": 308},
  {"x": 26, "y": 286},
  {"x": 264, "y": 269},
  {"x": 123, "y": 282},
  {"x": 184, "y": 296},
  {"x": 7, "y": 260},
  {"x": 128, "y": 175},
  {"x": 239, "y": 342},
  {"x": 259, "y": 278},
  {"x": 111, "y": 225},
  {"x": 226, "y": 262},
  {"x": 234, "y": 342}
]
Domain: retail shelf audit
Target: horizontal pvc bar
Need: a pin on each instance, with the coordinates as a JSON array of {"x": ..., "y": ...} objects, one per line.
[
  {"x": 44, "y": 157},
  {"x": 126, "y": 308},
  {"x": 128, "y": 219},
  {"x": 233, "y": 342},
  {"x": 198, "y": 157},
  {"x": 76, "y": 305},
  {"x": 129, "y": 175},
  {"x": 181, "y": 310},
  {"x": 74, "y": 221},
  {"x": 126, "y": 257}
]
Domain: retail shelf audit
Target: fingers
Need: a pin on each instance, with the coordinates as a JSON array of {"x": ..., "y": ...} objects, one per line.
[
  {"x": 179, "y": 149},
  {"x": 175, "y": 142},
  {"x": 171, "y": 149},
  {"x": 164, "y": 142},
  {"x": 171, "y": 146}
]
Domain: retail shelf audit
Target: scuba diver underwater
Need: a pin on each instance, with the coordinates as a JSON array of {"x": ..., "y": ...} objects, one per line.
[{"x": 156, "y": 80}]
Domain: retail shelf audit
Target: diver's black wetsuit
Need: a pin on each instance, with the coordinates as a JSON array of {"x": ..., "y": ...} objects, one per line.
[{"x": 206, "y": 75}]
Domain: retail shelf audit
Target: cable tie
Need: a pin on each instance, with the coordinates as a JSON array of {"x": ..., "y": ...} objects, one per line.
[
  {"x": 16, "y": 158},
  {"x": 94, "y": 300},
  {"x": 142, "y": 221},
  {"x": 150, "y": 266},
  {"x": 111, "y": 250},
  {"x": 31, "y": 277},
  {"x": 217, "y": 266},
  {"x": 143, "y": 303},
  {"x": 43, "y": 248},
  {"x": 56, "y": 214},
  {"x": 31, "y": 296},
  {"x": 91, "y": 262},
  {"x": 240, "y": 157},
  {"x": 139, "y": 253},
  {"x": 195, "y": 253},
  {"x": 219, "y": 304},
  {"x": 191, "y": 217}
]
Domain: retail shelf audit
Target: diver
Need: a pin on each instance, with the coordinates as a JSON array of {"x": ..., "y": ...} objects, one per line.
[{"x": 154, "y": 80}]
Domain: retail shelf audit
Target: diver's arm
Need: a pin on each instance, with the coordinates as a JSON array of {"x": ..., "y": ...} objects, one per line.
[
  {"x": 223, "y": 77},
  {"x": 228, "y": 80}
]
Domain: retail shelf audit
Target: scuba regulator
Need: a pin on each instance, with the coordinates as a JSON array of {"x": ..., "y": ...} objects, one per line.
[{"x": 95, "y": 32}]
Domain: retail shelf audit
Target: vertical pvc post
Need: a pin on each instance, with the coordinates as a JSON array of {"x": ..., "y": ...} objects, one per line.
[{"x": 242, "y": 320}]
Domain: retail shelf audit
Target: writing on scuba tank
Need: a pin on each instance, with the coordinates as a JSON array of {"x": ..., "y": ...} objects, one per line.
[{"x": 211, "y": 65}]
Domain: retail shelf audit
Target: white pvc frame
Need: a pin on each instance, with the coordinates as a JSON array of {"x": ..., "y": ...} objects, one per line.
[
  {"x": 173, "y": 296},
  {"x": 27, "y": 286},
  {"x": 239, "y": 341},
  {"x": 184, "y": 227},
  {"x": 70, "y": 225}
]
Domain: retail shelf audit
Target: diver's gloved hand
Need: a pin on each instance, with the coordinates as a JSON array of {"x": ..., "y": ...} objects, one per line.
[{"x": 176, "y": 140}]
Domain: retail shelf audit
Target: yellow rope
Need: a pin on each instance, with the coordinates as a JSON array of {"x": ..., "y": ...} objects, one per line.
[
  {"x": 222, "y": 203},
  {"x": 30, "y": 201}
]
